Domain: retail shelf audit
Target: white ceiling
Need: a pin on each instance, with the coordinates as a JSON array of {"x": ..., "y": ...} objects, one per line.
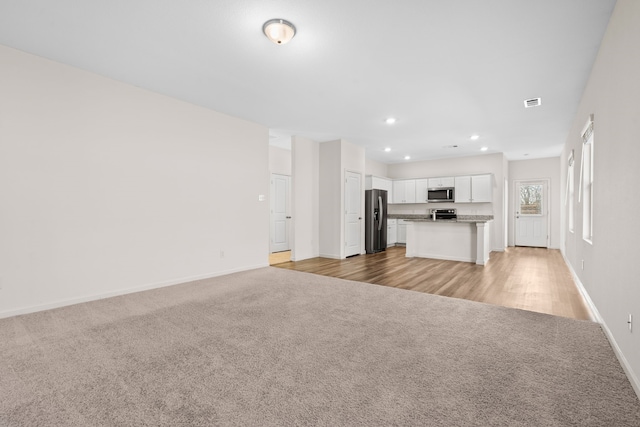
[{"x": 444, "y": 69}]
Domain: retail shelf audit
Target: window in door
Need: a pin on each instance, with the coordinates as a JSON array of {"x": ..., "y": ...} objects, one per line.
[{"x": 531, "y": 199}]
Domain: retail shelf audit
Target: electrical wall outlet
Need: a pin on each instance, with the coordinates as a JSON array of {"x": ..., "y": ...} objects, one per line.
[
  {"x": 583, "y": 264},
  {"x": 630, "y": 323}
]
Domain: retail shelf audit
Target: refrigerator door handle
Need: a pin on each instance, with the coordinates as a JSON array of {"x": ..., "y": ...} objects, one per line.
[{"x": 381, "y": 212}]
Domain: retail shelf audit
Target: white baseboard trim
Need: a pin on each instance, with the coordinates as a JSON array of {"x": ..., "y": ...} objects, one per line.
[
  {"x": 596, "y": 317},
  {"x": 331, "y": 256},
  {"x": 94, "y": 297},
  {"x": 437, "y": 256}
]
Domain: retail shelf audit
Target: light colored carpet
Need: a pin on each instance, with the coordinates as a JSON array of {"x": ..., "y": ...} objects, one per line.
[{"x": 278, "y": 347}]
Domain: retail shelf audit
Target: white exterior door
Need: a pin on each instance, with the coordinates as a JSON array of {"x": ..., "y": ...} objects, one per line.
[
  {"x": 532, "y": 214},
  {"x": 352, "y": 213},
  {"x": 280, "y": 216}
]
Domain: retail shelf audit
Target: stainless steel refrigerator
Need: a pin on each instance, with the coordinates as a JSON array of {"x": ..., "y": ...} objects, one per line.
[{"x": 375, "y": 220}]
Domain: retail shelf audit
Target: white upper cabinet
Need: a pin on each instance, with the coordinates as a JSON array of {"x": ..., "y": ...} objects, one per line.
[
  {"x": 421, "y": 190},
  {"x": 404, "y": 191},
  {"x": 468, "y": 188},
  {"x": 372, "y": 182},
  {"x": 474, "y": 189},
  {"x": 445, "y": 181},
  {"x": 463, "y": 189},
  {"x": 481, "y": 189}
]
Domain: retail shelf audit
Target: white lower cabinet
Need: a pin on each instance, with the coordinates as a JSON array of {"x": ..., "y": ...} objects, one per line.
[
  {"x": 402, "y": 231},
  {"x": 392, "y": 232}
]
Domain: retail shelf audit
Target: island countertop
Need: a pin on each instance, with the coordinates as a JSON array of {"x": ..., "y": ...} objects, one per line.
[{"x": 466, "y": 219}]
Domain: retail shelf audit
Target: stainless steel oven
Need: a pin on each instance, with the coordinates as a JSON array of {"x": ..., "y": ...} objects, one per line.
[{"x": 442, "y": 214}]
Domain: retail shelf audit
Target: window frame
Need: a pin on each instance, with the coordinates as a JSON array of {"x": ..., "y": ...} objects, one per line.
[
  {"x": 571, "y": 193},
  {"x": 587, "y": 179}
]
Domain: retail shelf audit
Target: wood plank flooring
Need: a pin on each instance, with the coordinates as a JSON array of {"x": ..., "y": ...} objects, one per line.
[
  {"x": 279, "y": 257},
  {"x": 534, "y": 279}
]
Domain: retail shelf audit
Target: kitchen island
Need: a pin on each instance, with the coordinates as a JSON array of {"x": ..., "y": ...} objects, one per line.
[{"x": 464, "y": 239}]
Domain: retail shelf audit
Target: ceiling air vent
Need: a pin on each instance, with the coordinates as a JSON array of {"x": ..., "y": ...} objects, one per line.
[{"x": 533, "y": 102}]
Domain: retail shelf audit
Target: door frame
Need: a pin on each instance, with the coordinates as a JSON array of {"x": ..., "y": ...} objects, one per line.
[
  {"x": 344, "y": 214},
  {"x": 505, "y": 213},
  {"x": 546, "y": 200}
]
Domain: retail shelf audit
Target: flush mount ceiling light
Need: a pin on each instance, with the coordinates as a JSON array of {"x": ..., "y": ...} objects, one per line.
[
  {"x": 279, "y": 31},
  {"x": 484, "y": 148},
  {"x": 474, "y": 137},
  {"x": 390, "y": 120},
  {"x": 387, "y": 149},
  {"x": 407, "y": 157}
]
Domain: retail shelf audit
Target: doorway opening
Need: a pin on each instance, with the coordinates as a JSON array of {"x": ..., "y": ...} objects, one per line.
[
  {"x": 281, "y": 242},
  {"x": 279, "y": 257},
  {"x": 280, "y": 234}
]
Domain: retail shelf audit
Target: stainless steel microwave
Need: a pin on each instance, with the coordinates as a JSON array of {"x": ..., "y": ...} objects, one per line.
[{"x": 440, "y": 194}]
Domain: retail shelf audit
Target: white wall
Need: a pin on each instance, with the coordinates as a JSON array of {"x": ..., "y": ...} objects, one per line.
[
  {"x": 548, "y": 168},
  {"x": 372, "y": 167},
  {"x": 330, "y": 199},
  {"x": 489, "y": 163},
  {"x": 107, "y": 188},
  {"x": 279, "y": 160},
  {"x": 305, "y": 199},
  {"x": 611, "y": 268},
  {"x": 337, "y": 157}
]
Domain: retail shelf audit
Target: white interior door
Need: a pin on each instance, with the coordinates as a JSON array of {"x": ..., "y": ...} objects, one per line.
[
  {"x": 532, "y": 214},
  {"x": 280, "y": 216},
  {"x": 352, "y": 213}
]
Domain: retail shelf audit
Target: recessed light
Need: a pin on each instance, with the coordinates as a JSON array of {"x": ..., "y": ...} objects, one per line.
[
  {"x": 484, "y": 148},
  {"x": 387, "y": 149},
  {"x": 407, "y": 157},
  {"x": 390, "y": 120},
  {"x": 474, "y": 137}
]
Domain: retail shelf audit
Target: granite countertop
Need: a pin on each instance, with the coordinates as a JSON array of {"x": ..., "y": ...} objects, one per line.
[{"x": 427, "y": 218}]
